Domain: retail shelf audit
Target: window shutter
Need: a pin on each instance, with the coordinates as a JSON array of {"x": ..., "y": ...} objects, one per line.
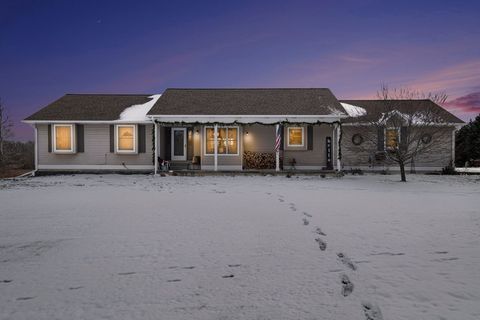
[
  {"x": 141, "y": 138},
  {"x": 112, "y": 138},
  {"x": 49, "y": 138},
  {"x": 282, "y": 135},
  {"x": 168, "y": 143},
  {"x": 80, "y": 138},
  {"x": 310, "y": 137},
  {"x": 380, "y": 139}
]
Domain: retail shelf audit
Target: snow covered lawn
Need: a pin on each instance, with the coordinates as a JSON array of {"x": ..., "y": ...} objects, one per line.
[{"x": 140, "y": 247}]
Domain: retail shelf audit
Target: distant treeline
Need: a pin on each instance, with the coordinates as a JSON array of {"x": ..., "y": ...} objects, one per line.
[{"x": 17, "y": 155}]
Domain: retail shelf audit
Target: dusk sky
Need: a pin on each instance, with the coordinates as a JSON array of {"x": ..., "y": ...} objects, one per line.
[{"x": 49, "y": 48}]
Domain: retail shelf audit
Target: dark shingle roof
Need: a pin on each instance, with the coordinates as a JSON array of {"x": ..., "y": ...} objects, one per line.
[
  {"x": 375, "y": 108},
  {"x": 94, "y": 107},
  {"x": 277, "y": 101}
]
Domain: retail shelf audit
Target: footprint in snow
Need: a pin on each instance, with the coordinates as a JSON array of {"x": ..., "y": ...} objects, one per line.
[
  {"x": 6, "y": 281},
  {"x": 24, "y": 298},
  {"x": 234, "y": 265},
  {"x": 281, "y": 200},
  {"x": 189, "y": 268},
  {"x": 347, "y": 285},
  {"x": 126, "y": 273},
  {"x": 388, "y": 254},
  {"x": 174, "y": 280},
  {"x": 321, "y": 244},
  {"x": 346, "y": 261},
  {"x": 307, "y": 214},
  {"x": 228, "y": 276},
  {"x": 75, "y": 288},
  {"x": 305, "y": 222},
  {"x": 319, "y": 231},
  {"x": 372, "y": 312}
]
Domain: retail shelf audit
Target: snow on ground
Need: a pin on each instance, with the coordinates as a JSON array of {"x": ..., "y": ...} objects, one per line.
[
  {"x": 245, "y": 247},
  {"x": 353, "y": 111},
  {"x": 138, "y": 112}
]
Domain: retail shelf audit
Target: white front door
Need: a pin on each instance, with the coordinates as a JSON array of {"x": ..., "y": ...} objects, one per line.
[{"x": 179, "y": 144}]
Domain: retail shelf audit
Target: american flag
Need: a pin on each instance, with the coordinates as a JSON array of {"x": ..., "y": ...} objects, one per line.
[{"x": 278, "y": 138}]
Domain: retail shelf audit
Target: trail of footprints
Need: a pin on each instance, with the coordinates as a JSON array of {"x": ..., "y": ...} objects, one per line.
[{"x": 371, "y": 311}]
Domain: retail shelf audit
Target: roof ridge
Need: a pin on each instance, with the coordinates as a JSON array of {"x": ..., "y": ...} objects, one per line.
[
  {"x": 109, "y": 94},
  {"x": 385, "y": 100},
  {"x": 275, "y": 88}
]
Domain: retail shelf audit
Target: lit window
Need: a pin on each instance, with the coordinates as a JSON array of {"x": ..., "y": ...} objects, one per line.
[
  {"x": 227, "y": 140},
  {"x": 295, "y": 137},
  {"x": 63, "y": 138},
  {"x": 126, "y": 139},
  {"x": 391, "y": 141}
]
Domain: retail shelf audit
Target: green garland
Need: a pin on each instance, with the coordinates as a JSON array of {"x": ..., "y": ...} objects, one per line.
[{"x": 197, "y": 123}]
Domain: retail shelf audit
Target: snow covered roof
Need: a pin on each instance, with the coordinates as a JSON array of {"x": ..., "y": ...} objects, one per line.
[
  {"x": 376, "y": 110},
  {"x": 138, "y": 112},
  {"x": 353, "y": 111},
  {"x": 94, "y": 107}
]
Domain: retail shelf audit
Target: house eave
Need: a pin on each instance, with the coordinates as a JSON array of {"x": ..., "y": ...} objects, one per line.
[{"x": 247, "y": 119}]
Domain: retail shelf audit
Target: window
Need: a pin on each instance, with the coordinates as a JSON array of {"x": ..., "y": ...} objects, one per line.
[
  {"x": 63, "y": 138},
  {"x": 391, "y": 141},
  {"x": 295, "y": 137},
  {"x": 227, "y": 139},
  {"x": 126, "y": 139}
]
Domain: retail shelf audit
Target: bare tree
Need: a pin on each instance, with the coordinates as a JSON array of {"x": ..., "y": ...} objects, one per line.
[
  {"x": 6, "y": 132},
  {"x": 401, "y": 129}
]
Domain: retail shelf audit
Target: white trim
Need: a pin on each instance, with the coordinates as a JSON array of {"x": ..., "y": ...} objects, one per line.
[
  {"x": 337, "y": 136},
  {"x": 248, "y": 115},
  {"x": 72, "y": 139},
  {"x": 134, "y": 151},
  {"x": 288, "y": 138},
  {"x": 88, "y": 121},
  {"x": 215, "y": 146},
  {"x": 36, "y": 148},
  {"x": 94, "y": 167},
  {"x": 246, "y": 119},
  {"x": 179, "y": 158},
  {"x": 155, "y": 143},
  {"x": 222, "y": 167},
  {"x": 216, "y": 141}
]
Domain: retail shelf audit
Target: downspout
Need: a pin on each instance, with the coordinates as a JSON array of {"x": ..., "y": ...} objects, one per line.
[
  {"x": 35, "y": 150},
  {"x": 156, "y": 147}
]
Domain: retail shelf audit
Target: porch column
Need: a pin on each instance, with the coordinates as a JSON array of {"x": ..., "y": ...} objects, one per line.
[
  {"x": 337, "y": 128},
  {"x": 277, "y": 150},
  {"x": 215, "y": 147},
  {"x": 155, "y": 142}
]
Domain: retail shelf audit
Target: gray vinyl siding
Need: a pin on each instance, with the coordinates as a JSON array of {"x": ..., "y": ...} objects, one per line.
[
  {"x": 316, "y": 157},
  {"x": 261, "y": 138},
  {"x": 97, "y": 149},
  {"x": 438, "y": 156}
]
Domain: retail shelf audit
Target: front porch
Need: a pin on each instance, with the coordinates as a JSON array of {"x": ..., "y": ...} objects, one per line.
[{"x": 251, "y": 148}]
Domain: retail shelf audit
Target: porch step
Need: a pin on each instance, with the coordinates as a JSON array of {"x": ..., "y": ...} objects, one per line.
[{"x": 179, "y": 165}]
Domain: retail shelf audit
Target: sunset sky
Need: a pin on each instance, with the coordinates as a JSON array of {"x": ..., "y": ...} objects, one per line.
[{"x": 49, "y": 48}]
